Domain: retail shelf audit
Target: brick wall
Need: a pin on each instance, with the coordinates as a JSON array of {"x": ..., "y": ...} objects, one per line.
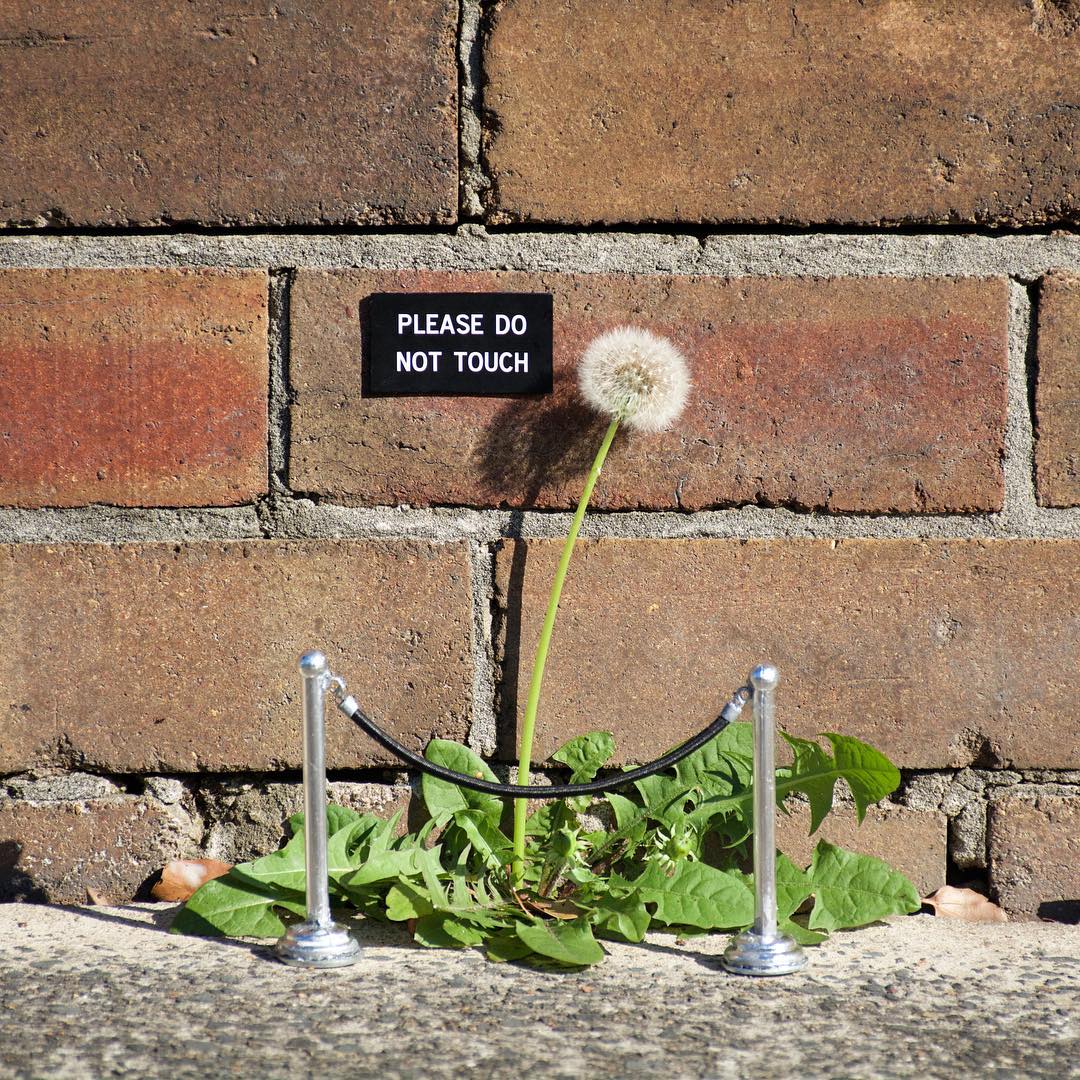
[{"x": 862, "y": 227}]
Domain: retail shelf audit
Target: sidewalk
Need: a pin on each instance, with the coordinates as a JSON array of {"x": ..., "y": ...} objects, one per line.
[{"x": 92, "y": 992}]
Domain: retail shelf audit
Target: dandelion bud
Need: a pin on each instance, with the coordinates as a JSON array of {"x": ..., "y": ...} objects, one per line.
[{"x": 636, "y": 376}]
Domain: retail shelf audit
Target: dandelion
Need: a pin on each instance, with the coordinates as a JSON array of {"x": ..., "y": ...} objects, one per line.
[{"x": 635, "y": 378}]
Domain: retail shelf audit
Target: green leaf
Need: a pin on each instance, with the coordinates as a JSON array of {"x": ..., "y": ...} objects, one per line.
[
  {"x": 347, "y": 846},
  {"x": 868, "y": 773},
  {"x": 722, "y": 766},
  {"x": 799, "y": 934},
  {"x": 282, "y": 869},
  {"x": 816, "y": 774},
  {"x": 853, "y": 890},
  {"x": 234, "y": 906},
  {"x": 793, "y": 886},
  {"x": 444, "y": 799},
  {"x": 490, "y": 843},
  {"x": 442, "y": 931},
  {"x": 385, "y": 866},
  {"x": 569, "y": 943},
  {"x": 430, "y": 869},
  {"x": 625, "y": 810},
  {"x": 505, "y": 947},
  {"x": 698, "y": 895},
  {"x": 337, "y": 817},
  {"x": 586, "y": 754},
  {"x": 625, "y": 916},
  {"x": 407, "y": 901}
]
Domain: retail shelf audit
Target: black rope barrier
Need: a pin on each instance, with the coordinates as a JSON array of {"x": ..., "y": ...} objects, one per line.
[{"x": 731, "y": 711}]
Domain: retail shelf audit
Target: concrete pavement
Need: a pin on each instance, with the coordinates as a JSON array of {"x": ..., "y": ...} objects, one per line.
[{"x": 106, "y": 992}]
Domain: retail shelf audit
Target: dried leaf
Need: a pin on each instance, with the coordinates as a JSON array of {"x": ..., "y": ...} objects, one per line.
[
  {"x": 952, "y": 903},
  {"x": 555, "y": 909},
  {"x": 182, "y": 877}
]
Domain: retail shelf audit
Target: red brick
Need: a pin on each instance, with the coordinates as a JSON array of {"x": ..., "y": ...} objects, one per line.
[
  {"x": 132, "y": 387},
  {"x": 59, "y": 852},
  {"x": 1035, "y": 855},
  {"x": 171, "y": 658},
  {"x": 222, "y": 113},
  {"x": 1057, "y": 395},
  {"x": 852, "y": 394},
  {"x": 940, "y": 653},
  {"x": 913, "y": 841},
  {"x": 680, "y": 111}
]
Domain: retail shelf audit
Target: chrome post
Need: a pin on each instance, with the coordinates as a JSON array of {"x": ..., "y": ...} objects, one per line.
[
  {"x": 763, "y": 949},
  {"x": 318, "y": 941}
]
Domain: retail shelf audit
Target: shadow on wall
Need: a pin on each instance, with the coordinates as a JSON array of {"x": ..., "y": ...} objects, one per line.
[
  {"x": 14, "y": 884},
  {"x": 532, "y": 445},
  {"x": 538, "y": 445}
]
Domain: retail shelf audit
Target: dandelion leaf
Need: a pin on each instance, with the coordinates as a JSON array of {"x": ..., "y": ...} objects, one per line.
[
  {"x": 699, "y": 895},
  {"x": 442, "y": 798},
  {"x": 570, "y": 943},
  {"x": 853, "y": 890}
]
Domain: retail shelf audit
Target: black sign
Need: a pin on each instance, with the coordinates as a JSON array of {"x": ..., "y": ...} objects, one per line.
[{"x": 486, "y": 344}]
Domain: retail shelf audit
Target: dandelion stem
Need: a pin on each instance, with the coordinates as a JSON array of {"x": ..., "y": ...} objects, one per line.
[{"x": 517, "y": 869}]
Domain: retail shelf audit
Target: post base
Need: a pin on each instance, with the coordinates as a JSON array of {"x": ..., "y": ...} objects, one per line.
[
  {"x": 314, "y": 946},
  {"x": 751, "y": 953}
]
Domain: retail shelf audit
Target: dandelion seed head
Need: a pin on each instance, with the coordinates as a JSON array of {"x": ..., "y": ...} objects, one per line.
[{"x": 636, "y": 376}]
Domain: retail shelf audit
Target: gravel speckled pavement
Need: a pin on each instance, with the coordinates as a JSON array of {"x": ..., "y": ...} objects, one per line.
[{"x": 106, "y": 992}]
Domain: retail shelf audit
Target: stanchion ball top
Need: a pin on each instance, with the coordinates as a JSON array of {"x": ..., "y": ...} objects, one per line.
[
  {"x": 765, "y": 677},
  {"x": 312, "y": 663}
]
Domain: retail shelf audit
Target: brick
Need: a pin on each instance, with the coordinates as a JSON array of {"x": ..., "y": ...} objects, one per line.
[
  {"x": 912, "y": 841},
  {"x": 176, "y": 659},
  {"x": 929, "y": 112},
  {"x": 939, "y": 653},
  {"x": 132, "y": 387},
  {"x": 850, "y": 394},
  {"x": 1035, "y": 855},
  {"x": 316, "y": 113},
  {"x": 1057, "y": 394},
  {"x": 58, "y": 852},
  {"x": 245, "y": 820}
]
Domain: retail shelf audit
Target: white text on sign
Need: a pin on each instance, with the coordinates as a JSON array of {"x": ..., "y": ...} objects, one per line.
[
  {"x": 506, "y": 362},
  {"x": 492, "y": 361},
  {"x": 412, "y": 322}
]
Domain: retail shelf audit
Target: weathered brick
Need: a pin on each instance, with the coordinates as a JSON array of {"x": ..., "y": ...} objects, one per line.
[
  {"x": 324, "y": 112},
  {"x": 244, "y": 820},
  {"x": 912, "y": 841},
  {"x": 851, "y": 394},
  {"x": 940, "y": 653},
  {"x": 60, "y": 852},
  {"x": 171, "y": 658},
  {"x": 1057, "y": 395},
  {"x": 675, "y": 110},
  {"x": 1035, "y": 855},
  {"x": 132, "y": 387}
]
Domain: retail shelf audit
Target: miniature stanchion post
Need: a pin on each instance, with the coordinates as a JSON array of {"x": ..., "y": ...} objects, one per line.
[
  {"x": 317, "y": 942},
  {"x": 764, "y": 949}
]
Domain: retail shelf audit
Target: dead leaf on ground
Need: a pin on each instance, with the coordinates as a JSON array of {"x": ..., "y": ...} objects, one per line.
[
  {"x": 181, "y": 877},
  {"x": 952, "y": 903}
]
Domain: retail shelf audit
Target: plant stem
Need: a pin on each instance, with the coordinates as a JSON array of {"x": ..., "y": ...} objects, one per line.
[{"x": 528, "y": 727}]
